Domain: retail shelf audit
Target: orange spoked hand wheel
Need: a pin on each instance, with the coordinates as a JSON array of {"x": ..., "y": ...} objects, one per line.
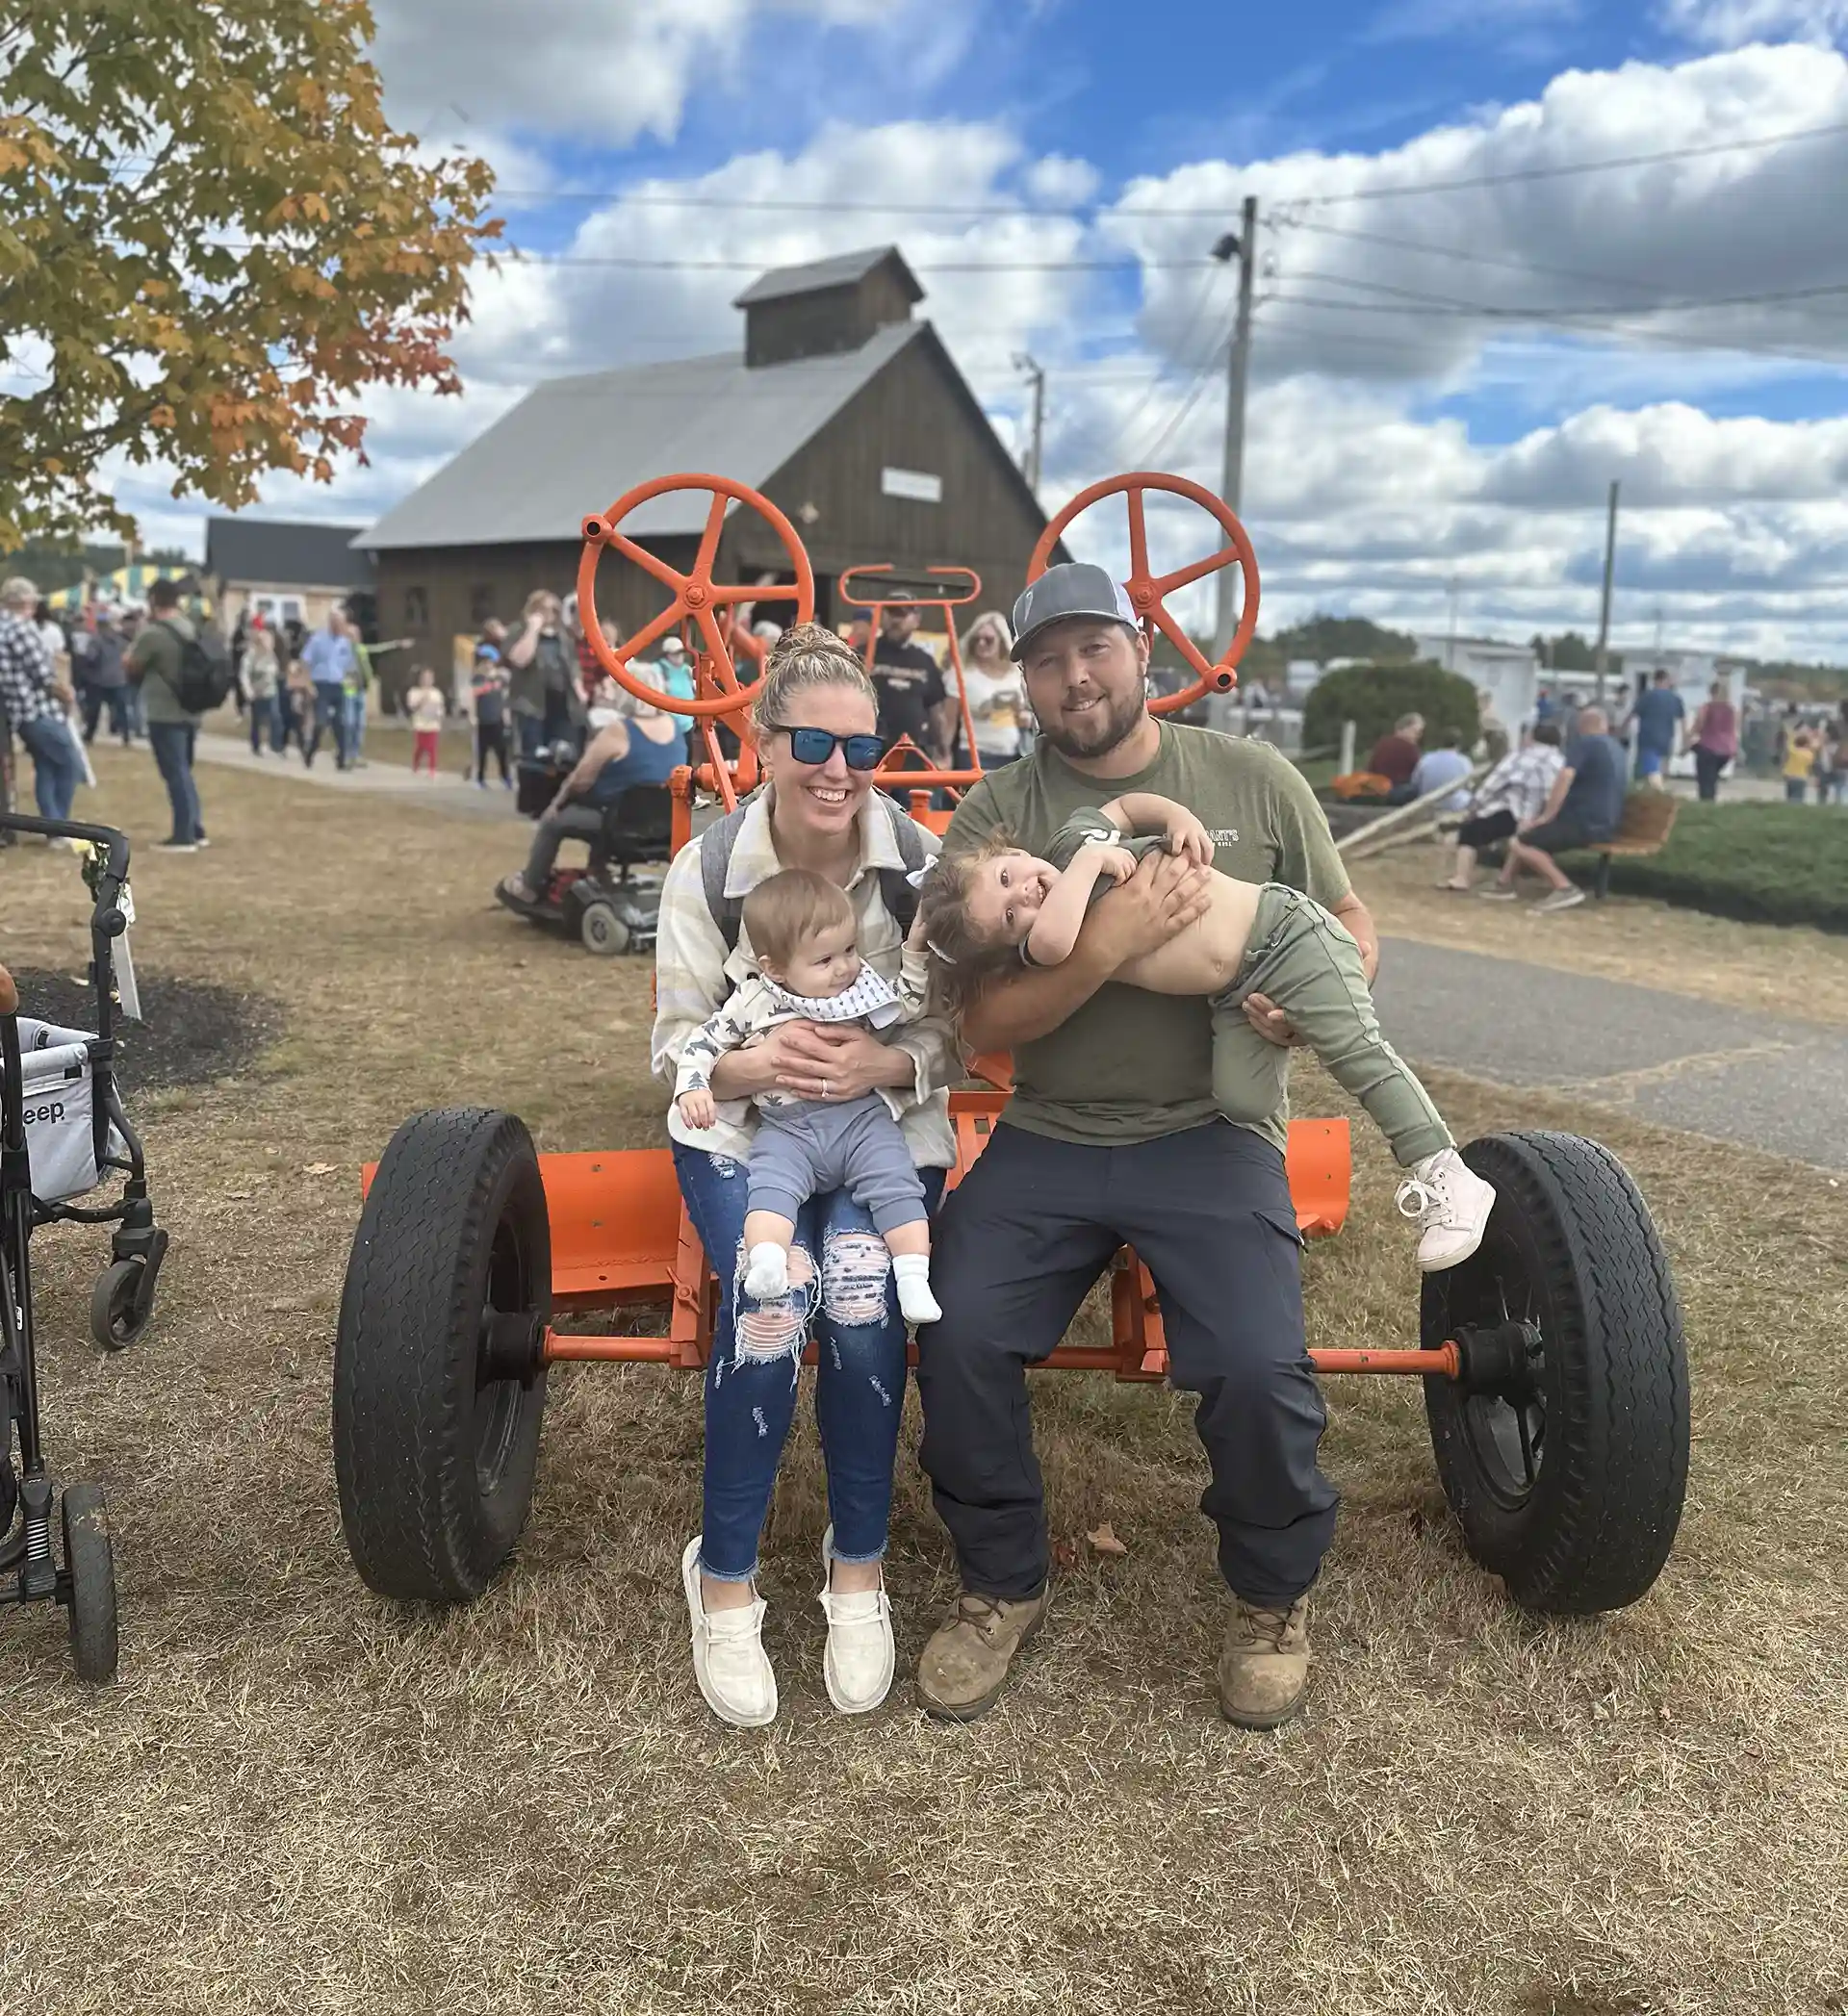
[
  {"x": 698, "y": 598},
  {"x": 1148, "y": 592}
]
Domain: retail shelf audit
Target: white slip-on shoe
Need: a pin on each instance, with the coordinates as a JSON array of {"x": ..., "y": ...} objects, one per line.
[
  {"x": 1451, "y": 1203},
  {"x": 861, "y": 1657},
  {"x": 729, "y": 1659}
]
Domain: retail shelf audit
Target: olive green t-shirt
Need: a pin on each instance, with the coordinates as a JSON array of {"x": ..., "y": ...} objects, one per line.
[
  {"x": 1130, "y": 1065},
  {"x": 1088, "y": 827},
  {"x": 156, "y": 653}
]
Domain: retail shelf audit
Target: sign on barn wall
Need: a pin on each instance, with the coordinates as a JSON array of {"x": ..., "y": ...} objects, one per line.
[{"x": 913, "y": 483}]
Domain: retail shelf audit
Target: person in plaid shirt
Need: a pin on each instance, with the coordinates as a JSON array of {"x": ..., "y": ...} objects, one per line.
[
  {"x": 34, "y": 698},
  {"x": 1512, "y": 796}
]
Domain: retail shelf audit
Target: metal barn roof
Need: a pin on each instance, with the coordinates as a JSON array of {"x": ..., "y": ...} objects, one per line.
[
  {"x": 285, "y": 553},
  {"x": 572, "y": 446},
  {"x": 841, "y": 271}
]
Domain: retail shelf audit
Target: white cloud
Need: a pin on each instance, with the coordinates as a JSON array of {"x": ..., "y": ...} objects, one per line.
[
  {"x": 1750, "y": 223},
  {"x": 606, "y": 71},
  {"x": 1360, "y": 497},
  {"x": 1727, "y": 24}
]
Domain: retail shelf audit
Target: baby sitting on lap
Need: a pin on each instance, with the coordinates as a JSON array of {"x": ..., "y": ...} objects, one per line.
[
  {"x": 986, "y": 910},
  {"x": 801, "y": 926}
]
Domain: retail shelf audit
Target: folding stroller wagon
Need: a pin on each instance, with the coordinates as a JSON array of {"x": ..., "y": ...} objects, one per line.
[{"x": 63, "y": 1135}]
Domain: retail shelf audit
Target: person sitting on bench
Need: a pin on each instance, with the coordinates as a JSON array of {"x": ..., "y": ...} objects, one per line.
[
  {"x": 641, "y": 745},
  {"x": 1584, "y": 808}
]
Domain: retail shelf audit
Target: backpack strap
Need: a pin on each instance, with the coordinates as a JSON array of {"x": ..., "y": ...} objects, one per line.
[
  {"x": 895, "y": 886},
  {"x": 715, "y": 857},
  {"x": 895, "y": 889}
]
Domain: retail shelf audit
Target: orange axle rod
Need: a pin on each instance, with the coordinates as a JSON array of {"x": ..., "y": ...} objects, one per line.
[{"x": 1445, "y": 1362}]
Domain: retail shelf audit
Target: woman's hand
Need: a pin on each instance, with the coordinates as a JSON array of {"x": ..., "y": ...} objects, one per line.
[{"x": 835, "y": 1060}]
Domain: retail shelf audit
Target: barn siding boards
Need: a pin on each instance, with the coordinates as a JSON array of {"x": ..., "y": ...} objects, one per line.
[
  {"x": 830, "y": 306},
  {"x": 919, "y": 415},
  {"x": 434, "y": 596}
]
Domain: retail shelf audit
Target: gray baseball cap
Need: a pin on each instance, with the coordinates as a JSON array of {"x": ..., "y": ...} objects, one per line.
[{"x": 1073, "y": 588}]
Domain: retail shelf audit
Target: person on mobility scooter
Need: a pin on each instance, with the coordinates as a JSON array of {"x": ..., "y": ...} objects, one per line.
[{"x": 615, "y": 797}]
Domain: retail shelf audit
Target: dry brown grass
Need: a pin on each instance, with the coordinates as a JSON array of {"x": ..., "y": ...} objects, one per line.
[
  {"x": 301, "y": 1798},
  {"x": 1783, "y": 970}
]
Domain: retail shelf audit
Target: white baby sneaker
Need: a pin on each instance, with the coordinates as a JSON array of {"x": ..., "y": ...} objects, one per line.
[{"x": 1450, "y": 1204}]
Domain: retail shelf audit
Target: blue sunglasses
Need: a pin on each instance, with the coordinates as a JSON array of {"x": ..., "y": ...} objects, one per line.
[{"x": 814, "y": 746}]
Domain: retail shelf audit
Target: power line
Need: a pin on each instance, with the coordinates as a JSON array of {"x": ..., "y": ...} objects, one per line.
[
  {"x": 1422, "y": 245},
  {"x": 706, "y": 200},
  {"x": 1194, "y": 325},
  {"x": 1545, "y": 172},
  {"x": 525, "y": 256},
  {"x": 1484, "y": 311},
  {"x": 831, "y": 205}
]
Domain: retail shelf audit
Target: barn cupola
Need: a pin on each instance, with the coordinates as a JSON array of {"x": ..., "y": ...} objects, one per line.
[{"x": 832, "y": 305}]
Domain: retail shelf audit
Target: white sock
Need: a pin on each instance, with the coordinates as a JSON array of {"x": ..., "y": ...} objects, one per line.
[
  {"x": 912, "y": 1273},
  {"x": 767, "y": 1272}
]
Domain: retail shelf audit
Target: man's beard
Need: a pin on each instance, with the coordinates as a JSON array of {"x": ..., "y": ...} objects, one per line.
[{"x": 1105, "y": 728}]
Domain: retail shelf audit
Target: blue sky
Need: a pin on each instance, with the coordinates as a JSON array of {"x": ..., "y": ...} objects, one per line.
[{"x": 1444, "y": 381}]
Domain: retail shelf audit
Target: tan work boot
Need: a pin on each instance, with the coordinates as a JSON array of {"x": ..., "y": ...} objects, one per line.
[
  {"x": 965, "y": 1665},
  {"x": 1264, "y": 1663}
]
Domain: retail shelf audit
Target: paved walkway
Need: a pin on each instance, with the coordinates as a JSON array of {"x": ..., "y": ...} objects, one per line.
[
  {"x": 1724, "y": 1072},
  {"x": 448, "y": 791},
  {"x": 1780, "y": 1086}
]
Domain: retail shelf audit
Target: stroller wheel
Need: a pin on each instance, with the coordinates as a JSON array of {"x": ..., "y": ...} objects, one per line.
[
  {"x": 89, "y": 1562},
  {"x": 115, "y": 1317}
]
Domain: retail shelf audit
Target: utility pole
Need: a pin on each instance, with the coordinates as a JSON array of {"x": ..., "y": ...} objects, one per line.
[
  {"x": 1037, "y": 435},
  {"x": 1241, "y": 246},
  {"x": 1603, "y": 614},
  {"x": 1457, "y": 591}
]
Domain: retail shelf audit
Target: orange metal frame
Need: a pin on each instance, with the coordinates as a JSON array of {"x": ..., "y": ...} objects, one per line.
[{"x": 620, "y": 1239}]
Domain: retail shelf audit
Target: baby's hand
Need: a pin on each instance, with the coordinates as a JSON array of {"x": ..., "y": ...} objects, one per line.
[
  {"x": 1117, "y": 864},
  {"x": 1188, "y": 837},
  {"x": 698, "y": 1111}
]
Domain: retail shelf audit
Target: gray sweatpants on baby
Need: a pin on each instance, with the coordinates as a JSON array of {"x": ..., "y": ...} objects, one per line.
[{"x": 808, "y": 1149}]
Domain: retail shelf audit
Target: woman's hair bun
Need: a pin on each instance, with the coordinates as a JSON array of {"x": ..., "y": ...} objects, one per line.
[{"x": 803, "y": 638}]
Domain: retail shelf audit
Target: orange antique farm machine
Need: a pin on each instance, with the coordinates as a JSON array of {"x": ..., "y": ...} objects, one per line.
[{"x": 1552, "y": 1364}]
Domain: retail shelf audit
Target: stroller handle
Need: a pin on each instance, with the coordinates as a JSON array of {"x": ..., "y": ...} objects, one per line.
[{"x": 115, "y": 844}]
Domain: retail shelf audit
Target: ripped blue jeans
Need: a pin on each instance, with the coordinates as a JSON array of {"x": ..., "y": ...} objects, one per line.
[{"x": 756, "y": 1346}]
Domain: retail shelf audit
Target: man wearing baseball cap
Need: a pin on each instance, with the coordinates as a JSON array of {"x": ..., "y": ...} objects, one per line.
[{"x": 1112, "y": 1137}]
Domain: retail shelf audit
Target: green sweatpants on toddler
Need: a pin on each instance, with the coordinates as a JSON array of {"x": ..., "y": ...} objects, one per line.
[{"x": 1301, "y": 958}]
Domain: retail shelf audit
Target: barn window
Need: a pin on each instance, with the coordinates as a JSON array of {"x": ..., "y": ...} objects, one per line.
[
  {"x": 417, "y": 608},
  {"x": 480, "y": 603}
]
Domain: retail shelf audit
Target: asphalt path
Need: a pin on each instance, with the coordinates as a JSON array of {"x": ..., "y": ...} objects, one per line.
[
  {"x": 1733, "y": 1076},
  {"x": 1727, "y": 1073}
]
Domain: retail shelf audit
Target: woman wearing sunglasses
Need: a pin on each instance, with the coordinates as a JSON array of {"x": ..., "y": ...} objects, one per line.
[{"x": 815, "y": 714}]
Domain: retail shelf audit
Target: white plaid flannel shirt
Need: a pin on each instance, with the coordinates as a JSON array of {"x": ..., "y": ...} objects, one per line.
[
  {"x": 694, "y": 978},
  {"x": 25, "y": 672}
]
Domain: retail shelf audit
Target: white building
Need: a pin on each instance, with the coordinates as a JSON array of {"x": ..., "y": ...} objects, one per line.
[{"x": 1509, "y": 674}]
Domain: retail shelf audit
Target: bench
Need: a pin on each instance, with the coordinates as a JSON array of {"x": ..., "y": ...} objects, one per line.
[{"x": 1649, "y": 818}]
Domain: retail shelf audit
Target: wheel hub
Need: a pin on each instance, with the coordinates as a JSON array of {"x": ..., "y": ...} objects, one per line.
[
  {"x": 512, "y": 1346},
  {"x": 1501, "y": 1360}
]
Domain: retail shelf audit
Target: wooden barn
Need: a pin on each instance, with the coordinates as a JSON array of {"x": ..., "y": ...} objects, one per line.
[{"x": 842, "y": 409}]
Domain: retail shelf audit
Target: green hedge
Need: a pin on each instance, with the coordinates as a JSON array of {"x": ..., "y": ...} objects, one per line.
[
  {"x": 1763, "y": 862},
  {"x": 1373, "y": 697}
]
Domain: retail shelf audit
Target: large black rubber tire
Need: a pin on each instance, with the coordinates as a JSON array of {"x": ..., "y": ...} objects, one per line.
[
  {"x": 1581, "y": 1516},
  {"x": 90, "y": 1560},
  {"x": 436, "y": 1461}
]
